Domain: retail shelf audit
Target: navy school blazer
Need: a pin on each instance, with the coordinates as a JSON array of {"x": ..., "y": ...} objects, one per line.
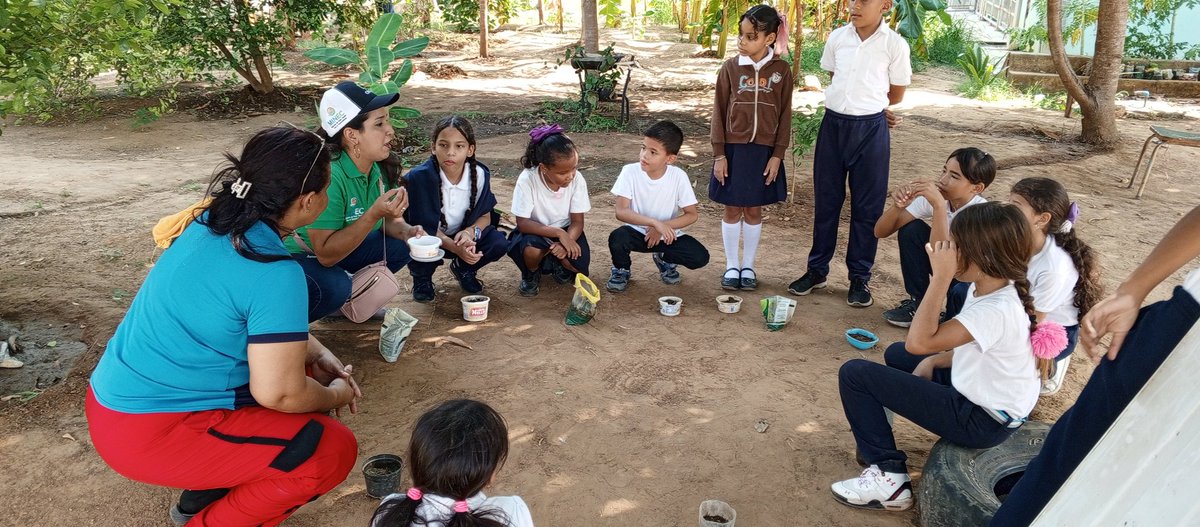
[{"x": 424, "y": 197}]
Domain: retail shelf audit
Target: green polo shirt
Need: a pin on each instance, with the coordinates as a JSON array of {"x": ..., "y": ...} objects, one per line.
[{"x": 351, "y": 193}]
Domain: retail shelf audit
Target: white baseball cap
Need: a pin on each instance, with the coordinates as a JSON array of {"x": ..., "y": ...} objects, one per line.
[{"x": 342, "y": 103}]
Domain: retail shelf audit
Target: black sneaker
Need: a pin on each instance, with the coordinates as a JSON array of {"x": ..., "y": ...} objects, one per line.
[
  {"x": 529, "y": 284},
  {"x": 860, "y": 294},
  {"x": 559, "y": 273},
  {"x": 902, "y": 315},
  {"x": 423, "y": 289},
  {"x": 805, "y": 285},
  {"x": 466, "y": 278}
]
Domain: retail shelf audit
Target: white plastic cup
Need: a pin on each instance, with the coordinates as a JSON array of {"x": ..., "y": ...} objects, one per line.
[
  {"x": 670, "y": 305},
  {"x": 475, "y": 308},
  {"x": 717, "y": 508},
  {"x": 729, "y": 304}
]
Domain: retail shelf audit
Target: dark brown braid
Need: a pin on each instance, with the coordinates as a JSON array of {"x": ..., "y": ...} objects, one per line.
[
  {"x": 1046, "y": 195},
  {"x": 996, "y": 237}
]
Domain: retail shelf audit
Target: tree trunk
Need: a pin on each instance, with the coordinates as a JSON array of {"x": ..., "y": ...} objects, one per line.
[
  {"x": 483, "y": 29},
  {"x": 591, "y": 31},
  {"x": 558, "y": 5},
  {"x": 632, "y": 8},
  {"x": 1097, "y": 98},
  {"x": 541, "y": 13},
  {"x": 722, "y": 35},
  {"x": 798, "y": 40}
]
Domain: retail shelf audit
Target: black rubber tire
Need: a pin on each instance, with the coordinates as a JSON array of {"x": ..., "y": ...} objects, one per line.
[{"x": 959, "y": 485}]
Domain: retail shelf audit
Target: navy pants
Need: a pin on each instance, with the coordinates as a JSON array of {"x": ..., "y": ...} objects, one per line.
[
  {"x": 914, "y": 261},
  {"x": 329, "y": 287},
  {"x": 1113, "y": 385},
  {"x": 491, "y": 243},
  {"x": 518, "y": 241},
  {"x": 860, "y": 146},
  {"x": 868, "y": 387},
  {"x": 686, "y": 250}
]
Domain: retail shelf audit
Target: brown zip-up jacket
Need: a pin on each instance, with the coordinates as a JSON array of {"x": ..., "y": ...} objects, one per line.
[{"x": 753, "y": 106}]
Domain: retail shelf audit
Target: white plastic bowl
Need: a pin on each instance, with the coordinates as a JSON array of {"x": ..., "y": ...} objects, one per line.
[{"x": 424, "y": 246}]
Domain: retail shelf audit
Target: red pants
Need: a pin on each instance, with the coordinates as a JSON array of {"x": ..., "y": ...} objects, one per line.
[{"x": 272, "y": 462}]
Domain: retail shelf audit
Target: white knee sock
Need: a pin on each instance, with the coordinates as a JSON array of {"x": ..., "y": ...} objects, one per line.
[
  {"x": 731, "y": 234},
  {"x": 750, "y": 244}
]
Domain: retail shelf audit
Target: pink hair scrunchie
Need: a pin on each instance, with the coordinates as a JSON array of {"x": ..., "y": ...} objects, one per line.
[
  {"x": 461, "y": 506},
  {"x": 1048, "y": 340},
  {"x": 414, "y": 494}
]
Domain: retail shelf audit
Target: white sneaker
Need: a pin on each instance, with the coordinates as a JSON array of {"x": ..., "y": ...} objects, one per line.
[
  {"x": 875, "y": 489},
  {"x": 1058, "y": 373}
]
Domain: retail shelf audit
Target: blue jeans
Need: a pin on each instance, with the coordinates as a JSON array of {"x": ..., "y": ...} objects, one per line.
[
  {"x": 1158, "y": 329},
  {"x": 329, "y": 287},
  {"x": 868, "y": 387}
]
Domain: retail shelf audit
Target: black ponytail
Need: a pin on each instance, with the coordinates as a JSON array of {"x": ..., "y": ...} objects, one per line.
[
  {"x": 455, "y": 449},
  {"x": 547, "y": 151},
  {"x": 269, "y": 174}
]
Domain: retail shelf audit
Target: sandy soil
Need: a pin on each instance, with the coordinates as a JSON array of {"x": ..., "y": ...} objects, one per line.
[{"x": 632, "y": 419}]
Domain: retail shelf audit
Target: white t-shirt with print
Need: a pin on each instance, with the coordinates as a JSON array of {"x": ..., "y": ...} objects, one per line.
[
  {"x": 662, "y": 199},
  {"x": 922, "y": 209},
  {"x": 456, "y": 198},
  {"x": 1052, "y": 277},
  {"x": 437, "y": 509},
  {"x": 534, "y": 200},
  {"x": 997, "y": 370}
]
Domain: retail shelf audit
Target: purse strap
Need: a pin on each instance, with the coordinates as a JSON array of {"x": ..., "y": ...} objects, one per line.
[{"x": 304, "y": 246}]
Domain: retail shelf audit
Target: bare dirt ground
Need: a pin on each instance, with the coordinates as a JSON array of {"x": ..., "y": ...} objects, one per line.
[{"x": 632, "y": 419}]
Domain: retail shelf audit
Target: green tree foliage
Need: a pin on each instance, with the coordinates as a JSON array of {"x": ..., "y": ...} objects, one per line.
[
  {"x": 1152, "y": 30},
  {"x": 50, "y": 51},
  {"x": 612, "y": 13},
  {"x": 908, "y": 19},
  {"x": 244, "y": 35},
  {"x": 463, "y": 15},
  {"x": 376, "y": 60}
]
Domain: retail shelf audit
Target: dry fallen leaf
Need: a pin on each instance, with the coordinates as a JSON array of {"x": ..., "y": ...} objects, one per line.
[
  {"x": 439, "y": 341},
  {"x": 69, "y": 436}
]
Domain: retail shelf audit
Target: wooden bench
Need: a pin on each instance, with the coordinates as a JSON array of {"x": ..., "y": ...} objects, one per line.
[{"x": 1161, "y": 137}]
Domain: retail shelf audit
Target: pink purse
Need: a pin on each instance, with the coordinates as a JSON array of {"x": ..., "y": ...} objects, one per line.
[{"x": 371, "y": 288}]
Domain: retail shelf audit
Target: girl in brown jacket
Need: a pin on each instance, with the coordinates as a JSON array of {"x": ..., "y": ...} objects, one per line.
[{"x": 751, "y": 130}]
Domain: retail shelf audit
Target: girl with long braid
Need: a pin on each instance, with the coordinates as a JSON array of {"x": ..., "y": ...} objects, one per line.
[
  {"x": 1063, "y": 272},
  {"x": 977, "y": 376},
  {"x": 451, "y": 197},
  {"x": 455, "y": 451}
]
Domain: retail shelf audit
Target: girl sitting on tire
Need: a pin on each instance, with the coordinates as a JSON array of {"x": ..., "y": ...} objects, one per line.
[{"x": 977, "y": 393}]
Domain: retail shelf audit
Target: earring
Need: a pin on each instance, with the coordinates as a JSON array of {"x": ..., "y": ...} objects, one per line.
[{"x": 357, "y": 150}]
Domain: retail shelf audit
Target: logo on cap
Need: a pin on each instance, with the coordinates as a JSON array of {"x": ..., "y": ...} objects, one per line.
[{"x": 329, "y": 110}]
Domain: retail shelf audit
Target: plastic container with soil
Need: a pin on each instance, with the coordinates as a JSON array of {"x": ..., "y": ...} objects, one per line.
[
  {"x": 716, "y": 513},
  {"x": 583, "y": 304},
  {"x": 670, "y": 306},
  {"x": 475, "y": 308},
  {"x": 383, "y": 473}
]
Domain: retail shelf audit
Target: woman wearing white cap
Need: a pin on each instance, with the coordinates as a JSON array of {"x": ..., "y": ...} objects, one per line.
[{"x": 366, "y": 199}]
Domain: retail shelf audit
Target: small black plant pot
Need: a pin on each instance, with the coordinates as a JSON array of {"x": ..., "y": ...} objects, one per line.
[
  {"x": 383, "y": 473},
  {"x": 605, "y": 94}
]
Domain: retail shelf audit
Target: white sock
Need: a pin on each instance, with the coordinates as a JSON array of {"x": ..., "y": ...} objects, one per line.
[
  {"x": 750, "y": 245},
  {"x": 731, "y": 234}
]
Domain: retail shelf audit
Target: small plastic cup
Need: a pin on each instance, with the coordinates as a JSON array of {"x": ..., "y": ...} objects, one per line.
[
  {"x": 383, "y": 473},
  {"x": 475, "y": 308},
  {"x": 729, "y": 304},
  {"x": 670, "y": 305},
  {"x": 716, "y": 510},
  {"x": 861, "y": 338}
]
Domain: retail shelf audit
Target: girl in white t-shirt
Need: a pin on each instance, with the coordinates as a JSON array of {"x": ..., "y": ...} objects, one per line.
[
  {"x": 977, "y": 393},
  {"x": 455, "y": 451},
  {"x": 549, "y": 201},
  {"x": 1063, "y": 272}
]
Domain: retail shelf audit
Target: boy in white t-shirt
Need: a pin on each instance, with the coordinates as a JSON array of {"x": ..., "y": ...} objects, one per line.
[
  {"x": 655, "y": 200},
  {"x": 921, "y": 211},
  {"x": 549, "y": 201}
]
